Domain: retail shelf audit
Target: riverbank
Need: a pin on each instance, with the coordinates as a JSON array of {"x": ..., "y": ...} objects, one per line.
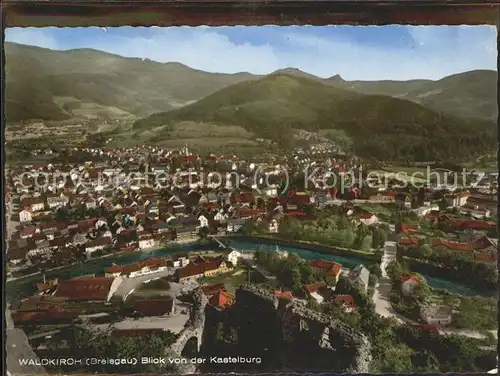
[
  {"x": 308, "y": 251},
  {"x": 307, "y": 246},
  {"x": 26, "y": 285},
  {"x": 441, "y": 277},
  {"x": 115, "y": 254}
]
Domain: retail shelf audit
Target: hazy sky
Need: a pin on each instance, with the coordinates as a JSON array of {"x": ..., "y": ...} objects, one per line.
[{"x": 354, "y": 52}]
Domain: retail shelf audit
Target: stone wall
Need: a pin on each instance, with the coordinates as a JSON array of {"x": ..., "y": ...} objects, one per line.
[
  {"x": 194, "y": 328},
  {"x": 333, "y": 344},
  {"x": 259, "y": 329}
]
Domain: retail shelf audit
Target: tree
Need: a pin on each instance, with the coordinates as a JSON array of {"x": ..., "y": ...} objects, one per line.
[
  {"x": 203, "y": 232},
  {"x": 309, "y": 210},
  {"x": 375, "y": 270},
  {"x": 379, "y": 237},
  {"x": 306, "y": 273},
  {"x": 259, "y": 255},
  {"x": 395, "y": 270},
  {"x": 361, "y": 232},
  {"x": 425, "y": 250},
  {"x": 396, "y": 358},
  {"x": 250, "y": 227},
  {"x": 443, "y": 204},
  {"x": 425, "y": 361}
]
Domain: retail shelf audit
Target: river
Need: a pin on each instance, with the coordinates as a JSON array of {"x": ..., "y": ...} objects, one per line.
[{"x": 23, "y": 287}]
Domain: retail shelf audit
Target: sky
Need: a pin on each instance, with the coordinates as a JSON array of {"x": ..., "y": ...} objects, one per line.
[{"x": 354, "y": 52}]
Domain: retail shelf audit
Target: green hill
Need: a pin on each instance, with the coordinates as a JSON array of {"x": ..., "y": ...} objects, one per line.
[
  {"x": 468, "y": 94},
  {"x": 46, "y": 84},
  {"x": 381, "y": 127},
  {"x": 56, "y": 85}
]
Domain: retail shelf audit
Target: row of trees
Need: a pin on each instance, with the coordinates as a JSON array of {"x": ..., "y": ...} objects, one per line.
[{"x": 333, "y": 230}]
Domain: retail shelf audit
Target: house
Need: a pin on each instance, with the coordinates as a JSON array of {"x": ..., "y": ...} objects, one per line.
[
  {"x": 409, "y": 283},
  {"x": 408, "y": 242},
  {"x": 233, "y": 257},
  {"x": 210, "y": 290},
  {"x": 366, "y": 218},
  {"x": 346, "y": 302},
  {"x": 98, "y": 244},
  {"x": 34, "y": 203},
  {"x": 203, "y": 221},
  {"x": 25, "y": 215},
  {"x": 273, "y": 226},
  {"x": 28, "y": 232},
  {"x": 235, "y": 224},
  {"x": 426, "y": 210},
  {"x": 221, "y": 300},
  {"x": 137, "y": 269},
  {"x": 382, "y": 199},
  {"x": 484, "y": 244},
  {"x": 221, "y": 217},
  {"x": 360, "y": 276},
  {"x": 485, "y": 257},
  {"x": 153, "y": 209},
  {"x": 456, "y": 200},
  {"x": 270, "y": 191},
  {"x": 297, "y": 200},
  {"x": 284, "y": 295},
  {"x": 436, "y": 315},
  {"x": 318, "y": 291},
  {"x": 100, "y": 223},
  {"x": 56, "y": 201},
  {"x": 323, "y": 268},
  {"x": 410, "y": 228},
  {"x": 146, "y": 240},
  {"x": 473, "y": 225},
  {"x": 90, "y": 203},
  {"x": 40, "y": 303},
  {"x": 43, "y": 317},
  {"x": 88, "y": 289},
  {"x": 203, "y": 268},
  {"x": 47, "y": 285},
  {"x": 185, "y": 226},
  {"x": 452, "y": 246},
  {"x": 155, "y": 307},
  {"x": 484, "y": 201}
]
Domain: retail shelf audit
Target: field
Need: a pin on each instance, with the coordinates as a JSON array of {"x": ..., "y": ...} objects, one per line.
[
  {"x": 202, "y": 137},
  {"x": 386, "y": 210}
]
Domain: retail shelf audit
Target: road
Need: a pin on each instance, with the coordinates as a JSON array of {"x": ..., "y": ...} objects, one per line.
[
  {"x": 381, "y": 298},
  {"x": 382, "y": 290}
]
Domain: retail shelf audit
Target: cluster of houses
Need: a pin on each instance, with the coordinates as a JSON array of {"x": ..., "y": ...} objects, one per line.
[
  {"x": 433, "y": 316},
  {"x": 82, "y": 210},
  {"x": 49, "y": 303},
  {"x": 324, "y": 293},
  {"x": 474, "y": 238}
]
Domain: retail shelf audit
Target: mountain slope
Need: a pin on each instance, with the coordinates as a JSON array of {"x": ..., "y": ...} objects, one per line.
[
  {"x": 468, "y": 94},
  {"x": 46, "y": 84},
  {"x": 37, "y": 77},
  {"x": 380, "y": 126}
]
